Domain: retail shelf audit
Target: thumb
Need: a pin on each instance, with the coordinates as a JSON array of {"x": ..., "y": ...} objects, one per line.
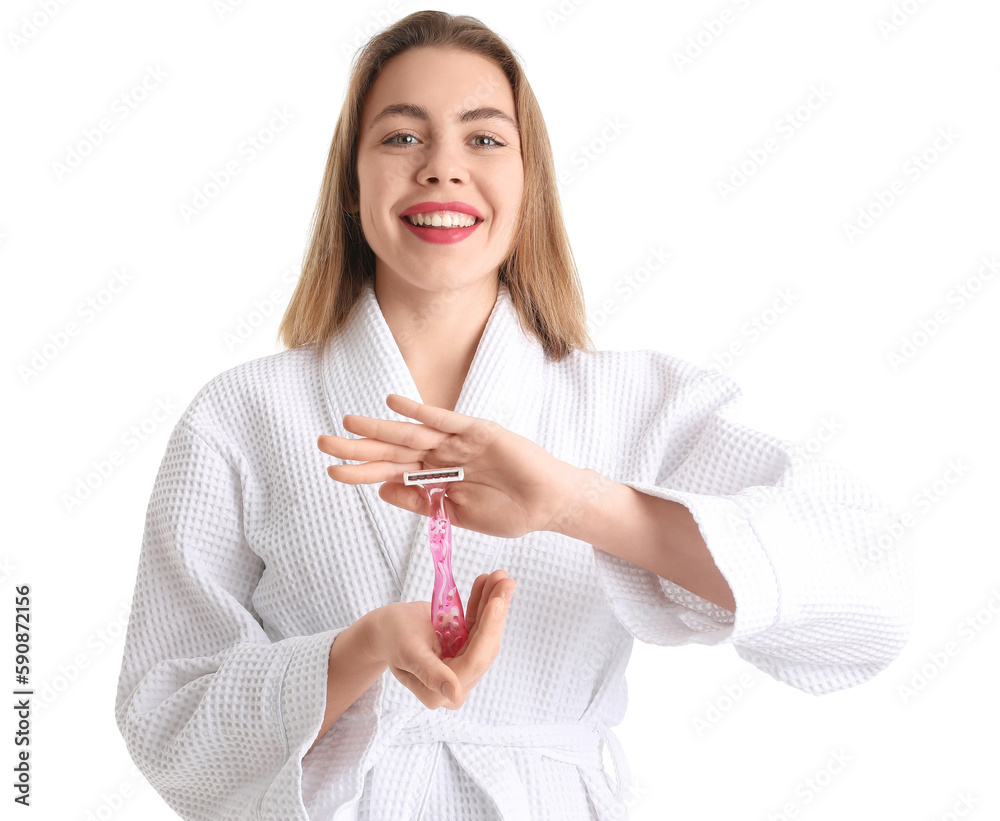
[
  {"x": 434, "y": 674},
  {"x": 407, "y": 497},
  {"x": 450, "y": 686}
]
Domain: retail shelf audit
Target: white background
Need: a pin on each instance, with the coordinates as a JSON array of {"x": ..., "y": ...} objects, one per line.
[{"x": 681, "y": 128}]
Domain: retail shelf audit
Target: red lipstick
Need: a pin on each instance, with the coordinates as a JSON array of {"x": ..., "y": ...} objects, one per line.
[{"x": 441, "y": 236}]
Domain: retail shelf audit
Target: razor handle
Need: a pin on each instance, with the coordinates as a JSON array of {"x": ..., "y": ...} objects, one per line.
[{"x": 447, "y": 615}]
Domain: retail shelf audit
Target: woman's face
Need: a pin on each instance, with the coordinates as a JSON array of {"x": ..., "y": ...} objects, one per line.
[{"x": 449, "y": 137}]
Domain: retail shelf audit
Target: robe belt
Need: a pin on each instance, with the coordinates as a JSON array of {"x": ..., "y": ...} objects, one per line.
[{"x": 483, "y": 752}]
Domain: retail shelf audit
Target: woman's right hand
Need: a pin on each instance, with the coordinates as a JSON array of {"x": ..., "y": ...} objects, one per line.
[{"x": 401, "y": 636}]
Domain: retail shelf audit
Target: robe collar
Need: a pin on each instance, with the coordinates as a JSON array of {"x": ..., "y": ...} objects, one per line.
[{"x": 362, "y": 365}]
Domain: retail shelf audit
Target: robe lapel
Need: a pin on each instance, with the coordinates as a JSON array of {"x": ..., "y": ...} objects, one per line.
[{"x": 363, "y": 365}]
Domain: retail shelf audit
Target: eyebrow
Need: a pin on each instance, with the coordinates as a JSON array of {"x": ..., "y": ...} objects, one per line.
[{"x": 420, "y": 113}]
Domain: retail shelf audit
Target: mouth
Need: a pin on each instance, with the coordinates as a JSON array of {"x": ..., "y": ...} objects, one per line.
[
  {"x": 444, "y": 220},
  {"x": 441, "y": 227}
]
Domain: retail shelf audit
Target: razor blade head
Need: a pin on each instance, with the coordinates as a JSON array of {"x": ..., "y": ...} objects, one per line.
[{"x": 430, "y": 477}]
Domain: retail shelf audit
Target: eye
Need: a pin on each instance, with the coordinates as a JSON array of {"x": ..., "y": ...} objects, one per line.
[
  {"x": 393, "y": 140},
  {"x": 495, "y": 140},
  {"x": 390, "y": 140}
]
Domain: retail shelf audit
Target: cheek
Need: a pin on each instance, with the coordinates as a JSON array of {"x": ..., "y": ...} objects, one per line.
[
  {"x": 511, "y": 196},
  {"x": 515, "y": 186},
  {"x": 373, "y": 176}
]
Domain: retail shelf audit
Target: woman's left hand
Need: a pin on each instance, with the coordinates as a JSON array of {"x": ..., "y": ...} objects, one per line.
[{"x": 511, "y": 485}]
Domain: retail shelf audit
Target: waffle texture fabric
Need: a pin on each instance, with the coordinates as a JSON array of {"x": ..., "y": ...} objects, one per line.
[{"x": 253, "y": 560}]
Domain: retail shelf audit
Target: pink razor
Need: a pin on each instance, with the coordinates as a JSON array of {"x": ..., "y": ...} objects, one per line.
[{"x": 447, "y": 616}]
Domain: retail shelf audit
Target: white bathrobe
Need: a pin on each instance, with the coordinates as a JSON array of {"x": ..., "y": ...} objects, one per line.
[{"x": 253, "y": 560}]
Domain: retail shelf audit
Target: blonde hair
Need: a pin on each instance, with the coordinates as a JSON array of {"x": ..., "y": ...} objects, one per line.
[{"x": 539, "y": 272}]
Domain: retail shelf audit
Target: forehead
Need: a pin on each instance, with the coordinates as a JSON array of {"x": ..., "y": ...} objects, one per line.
[{"x": 444, "y": 81}]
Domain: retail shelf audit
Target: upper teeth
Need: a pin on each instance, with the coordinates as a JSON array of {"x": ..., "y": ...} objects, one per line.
[{"x": 443, "y": 219}]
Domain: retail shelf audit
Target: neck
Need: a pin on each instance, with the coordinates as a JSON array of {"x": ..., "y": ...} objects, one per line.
[{"x": 437, "y": 332}]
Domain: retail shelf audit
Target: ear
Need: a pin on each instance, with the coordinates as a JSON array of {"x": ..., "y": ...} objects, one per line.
[{"x": 352, "y": 204}]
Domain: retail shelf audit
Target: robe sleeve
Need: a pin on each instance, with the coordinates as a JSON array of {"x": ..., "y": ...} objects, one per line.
[
  {"x": 217, "y": 716},
  {"x": 793, "y": 533}
]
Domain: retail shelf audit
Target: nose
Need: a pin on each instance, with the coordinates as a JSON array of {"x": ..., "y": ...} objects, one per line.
[{"x": 443, "y": 160}]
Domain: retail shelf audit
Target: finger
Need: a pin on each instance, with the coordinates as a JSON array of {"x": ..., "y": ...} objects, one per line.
[
  {"x": 419, "y": 437},
  {"x": 482, "y": 649},
  {"x": 428, "y": 672},
  {"x": 451, "y": 688},
  {"x": 407, "y": 497},
  {"x": 369, "y": 472},
  {"x": 472, "y": 605},
  {"x": 481, "y": 589},
  {"x": 409, "y": 681},
  {"x": 497, "y": 595},
  {"x": 432, "y": 699},
  {"x": 489, "y": 585},
  {"x": 368, "y": 450},
  {"x": 440, "y": 418},
  {"x": 502, "y": 592}
]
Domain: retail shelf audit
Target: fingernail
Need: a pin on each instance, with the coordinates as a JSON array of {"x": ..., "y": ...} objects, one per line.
[
  {"x": 498, "y": 608},
  {"x": 508, "y": 594},
  {"x": 446, "y": 689}
]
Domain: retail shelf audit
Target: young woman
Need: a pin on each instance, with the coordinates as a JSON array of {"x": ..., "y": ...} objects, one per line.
[{"x": 276, "y": 592}]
